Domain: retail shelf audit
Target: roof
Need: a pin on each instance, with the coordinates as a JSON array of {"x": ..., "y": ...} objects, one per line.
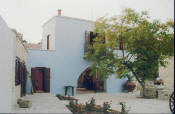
[
  {"x": 73, "y": 18},
  {"x": 33, "y": 46},
  {"x": 19, "y": 36}
]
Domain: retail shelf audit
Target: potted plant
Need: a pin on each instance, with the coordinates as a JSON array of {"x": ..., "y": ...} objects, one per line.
[
  {"x": 130, "y": 84},
  {"x": 158, "y": 81}
]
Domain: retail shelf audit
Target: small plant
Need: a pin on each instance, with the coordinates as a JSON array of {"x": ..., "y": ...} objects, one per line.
[
  {"x": 90, "y": 106},
  {"x": 158, "y": 82},
  {"x": 71, "y": 103},
  {"x": 75, "y": 107},
  {"x": 123, "y": 110},
  {"x": 106, "y": 107},
  {"x": 59, "y": 96}
]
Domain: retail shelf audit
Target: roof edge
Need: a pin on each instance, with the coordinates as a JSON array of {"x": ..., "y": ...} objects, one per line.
[{"x": 73, "y": 18}]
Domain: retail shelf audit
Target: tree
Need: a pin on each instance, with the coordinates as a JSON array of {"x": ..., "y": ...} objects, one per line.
[
  {"x": 145, "y": 45},
  {"x": 103, "y": 59}
]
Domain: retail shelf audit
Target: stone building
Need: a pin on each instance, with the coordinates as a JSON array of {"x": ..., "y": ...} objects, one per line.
[{"x": 167, "y": 74}]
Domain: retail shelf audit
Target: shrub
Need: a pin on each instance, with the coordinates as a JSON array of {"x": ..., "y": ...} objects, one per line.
[
  {"x": 123, "y": 110},
  {"x": 90, "y": 106},
  {"x": 59, "y": 96},
  {"x": 106, "y": 107},
  {"x": 75, "y": 107}
]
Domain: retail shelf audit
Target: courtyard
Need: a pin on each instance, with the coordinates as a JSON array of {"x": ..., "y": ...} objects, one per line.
[
  {"x": 132, "y": 100},
  {"x": 48, "y": 103}
]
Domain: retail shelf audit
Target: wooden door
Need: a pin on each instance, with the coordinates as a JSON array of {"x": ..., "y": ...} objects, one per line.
[
  {"x": 39, "y": 80},
  {"x": 47, "y": 80}
]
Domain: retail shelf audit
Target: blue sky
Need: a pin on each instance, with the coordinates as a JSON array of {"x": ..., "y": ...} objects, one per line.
[{"x": 28, "y": 16}]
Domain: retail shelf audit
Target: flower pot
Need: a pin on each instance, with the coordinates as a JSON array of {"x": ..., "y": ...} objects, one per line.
[{"x": 129, "y": 85}]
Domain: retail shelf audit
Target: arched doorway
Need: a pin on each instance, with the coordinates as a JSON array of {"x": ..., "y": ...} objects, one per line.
[{"x": 87, "y": 83}]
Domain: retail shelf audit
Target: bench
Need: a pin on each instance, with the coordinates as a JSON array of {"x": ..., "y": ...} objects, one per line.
[{"x": 67, "y": 88}]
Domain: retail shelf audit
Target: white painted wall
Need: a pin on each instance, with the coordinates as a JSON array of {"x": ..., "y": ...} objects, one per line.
[
  {"x": 6, "y": 66},
  {"x": 49, "y": 29},
  {"x": 21, "y": 52},
  {"x": 66, "y": 61}
]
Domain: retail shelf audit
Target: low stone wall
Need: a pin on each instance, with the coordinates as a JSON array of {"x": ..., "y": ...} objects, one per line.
[
  {"x": 159, "y": 92},
  {"x": 167, "y": 74},
  {"x": 164, "y": 94}
]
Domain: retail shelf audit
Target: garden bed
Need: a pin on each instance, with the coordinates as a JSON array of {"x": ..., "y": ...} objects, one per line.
[{"x": 90, "y": 108}]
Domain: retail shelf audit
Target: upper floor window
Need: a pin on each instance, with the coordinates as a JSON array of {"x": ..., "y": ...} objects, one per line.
[
  {"x": 89, "y": 39},
  {"x": 48, "y": 42}
]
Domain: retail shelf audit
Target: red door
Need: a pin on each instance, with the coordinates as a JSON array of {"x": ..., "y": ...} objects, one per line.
[{"x": 39, "y": 80}]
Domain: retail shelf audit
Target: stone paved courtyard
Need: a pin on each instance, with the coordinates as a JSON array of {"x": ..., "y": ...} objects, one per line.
[
  {"x": 43, "y": 103},
  {"x": 48, "y": 103}
]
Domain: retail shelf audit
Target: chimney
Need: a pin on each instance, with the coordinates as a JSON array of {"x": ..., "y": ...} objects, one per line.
[{"x": 59, "y": 12}]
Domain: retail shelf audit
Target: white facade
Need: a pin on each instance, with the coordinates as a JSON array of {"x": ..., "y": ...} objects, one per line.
[
  {"x": 10, "y": 48},
  {"x": 51, "y": 29},
  {"x": 65, "y": 56},
  {"x": 21, "y": 52},
  {"x": 6, "y": 67}
]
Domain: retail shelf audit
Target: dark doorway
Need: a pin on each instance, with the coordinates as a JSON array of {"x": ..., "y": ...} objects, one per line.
[
  {"x": 41, "y": 79},
  {"x": 88, "y": 82}
]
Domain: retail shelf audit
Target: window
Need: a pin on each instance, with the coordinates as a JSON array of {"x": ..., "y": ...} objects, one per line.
[
  {"x": 48, "y": 42},
  {"x": 89, "y": 39},
  {"x": 121, "y": 45},
  {"x": 20, "y": 71},
  {"x": 17, "y": 71}
]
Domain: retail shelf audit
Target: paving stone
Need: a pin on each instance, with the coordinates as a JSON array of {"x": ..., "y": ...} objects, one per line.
[
  {"x": 43, "y": 103},
  {"x": 24, "y": 103}
]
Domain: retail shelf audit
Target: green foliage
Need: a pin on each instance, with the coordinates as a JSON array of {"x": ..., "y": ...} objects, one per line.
[
  {"x": 103, "y": 59},
  {"x": 90, "y": 106},
  {"x": 106, "y": 107},
  {"x": 145, "y": 46},
  {"x": 123, "y": 109},
  {"x": 76, "y": 107}
]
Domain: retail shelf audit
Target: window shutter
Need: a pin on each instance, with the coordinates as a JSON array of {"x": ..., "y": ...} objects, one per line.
[
  {"x": 47, "y": 79},
  {"x": 33, "y": 79},
  {"x": 16, "y": 72},
  {"x": 91, "y": 38},
  {"x": 87, "y": 40}
]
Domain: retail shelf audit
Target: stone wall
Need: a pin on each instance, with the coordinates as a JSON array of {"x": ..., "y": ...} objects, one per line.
[{"x": 167, "y": 74}]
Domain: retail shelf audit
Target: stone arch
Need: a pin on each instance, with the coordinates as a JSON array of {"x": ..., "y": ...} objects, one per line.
[{"x": 87, "y": 82}]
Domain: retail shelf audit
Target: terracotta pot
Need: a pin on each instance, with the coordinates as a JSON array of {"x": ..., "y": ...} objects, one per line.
[{"x": 129, "y": 86}]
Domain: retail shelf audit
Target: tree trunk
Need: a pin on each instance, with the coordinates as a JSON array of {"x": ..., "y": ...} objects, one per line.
[
  {"x": 143, "y": 87},
  {"x": 96, "y": 82},
  {"x": 142, "y": 83}
]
